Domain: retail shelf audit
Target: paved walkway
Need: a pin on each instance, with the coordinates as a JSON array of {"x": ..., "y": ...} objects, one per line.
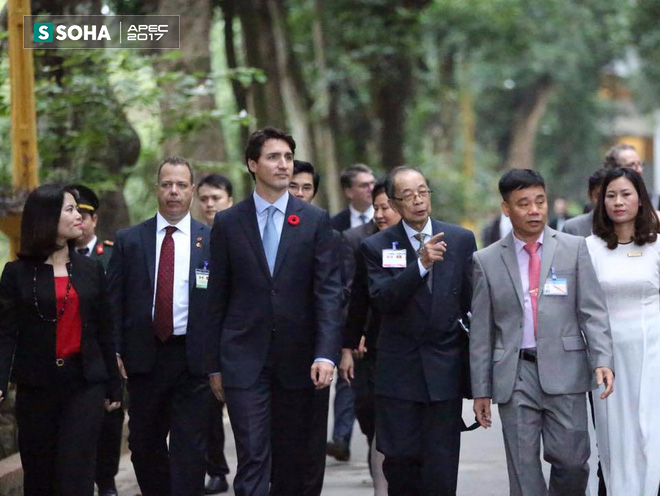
[{"x": 482, "y": 469}]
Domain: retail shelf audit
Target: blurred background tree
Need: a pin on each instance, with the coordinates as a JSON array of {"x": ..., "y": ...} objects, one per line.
[{"x": 461, "y": 88}]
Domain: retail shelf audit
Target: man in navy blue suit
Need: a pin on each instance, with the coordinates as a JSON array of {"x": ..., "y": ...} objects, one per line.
[
  {"x": 420, "y": 282},
  {"x": 158, "y": 277},
  {"x": 274, "y": 319}
]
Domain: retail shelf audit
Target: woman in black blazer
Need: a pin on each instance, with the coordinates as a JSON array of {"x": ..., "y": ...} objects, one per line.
[{"x": 56, "y": 338}]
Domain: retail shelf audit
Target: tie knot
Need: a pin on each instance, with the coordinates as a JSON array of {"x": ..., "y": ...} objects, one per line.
[
  {"x": 271, "y": 210},
  {"x": 169, "y": 230},
  {"x": 363, "y": 218},
  {"x": 532, "y": 248},
  {"x": 83, "y": 251},
  {"x": 420, "y": 237}
]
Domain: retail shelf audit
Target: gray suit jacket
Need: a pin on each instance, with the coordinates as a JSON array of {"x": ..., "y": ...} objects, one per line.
[
  {"x": 565, "y": 361},
  {"x": 580, "y": 225}
]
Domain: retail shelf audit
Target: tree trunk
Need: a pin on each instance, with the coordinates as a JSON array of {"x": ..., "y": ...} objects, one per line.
[
  {"x": 200, "y": 143},
  {"x": 240, "y": 93},
  {"x": 526, "y": 120},
  {"x": 264, "y": 100},
  {"x": 325, "y": 138},
  {"x": 391, "y": 93},
  {"x": 293, "y": 91}
]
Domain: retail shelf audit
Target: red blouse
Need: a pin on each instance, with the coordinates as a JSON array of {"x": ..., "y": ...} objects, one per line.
[{"x": 69, "y": 325}]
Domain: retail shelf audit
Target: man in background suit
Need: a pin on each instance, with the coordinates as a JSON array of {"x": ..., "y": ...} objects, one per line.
[
  {"x": 358, "y": 362},
  {"x": 109, "y": 446},
  {"x": 305, "y": 181},
  {"x": 581, "y": 224},
  {"x": 536, "y": 298},
  {"x": 274, "y": 319},
  {"x": 419, "y": 280},
  {"x": 357, "y": 183},
  {"x": 214, "y": 193},
  {"x": 158, "y": 277}
]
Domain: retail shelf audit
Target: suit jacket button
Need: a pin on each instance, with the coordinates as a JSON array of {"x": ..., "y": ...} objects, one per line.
[
  {"x": 273, "y": 330},
  {"x": 273, "y": 292}
]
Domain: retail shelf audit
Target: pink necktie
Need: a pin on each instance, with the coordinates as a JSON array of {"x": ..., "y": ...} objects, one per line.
[
  {"x": 163, "y": 313},
  {"x": 534, "y": 273}
]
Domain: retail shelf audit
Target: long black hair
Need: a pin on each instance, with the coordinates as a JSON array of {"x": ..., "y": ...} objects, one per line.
[
  {"x": 647, "y": 224},
  {"x": 41, "y": 218}
]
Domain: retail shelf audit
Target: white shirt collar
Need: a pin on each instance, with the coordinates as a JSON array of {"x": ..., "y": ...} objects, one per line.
[
  {"x": 280, "y": 204},
  {"x": 183, "y": 225},
  {"x": 520, "y": 245},
  {"x": 410, "y": 232},
  {"x": 91, "y": 244},
  {"x": 356, "y": 213}
]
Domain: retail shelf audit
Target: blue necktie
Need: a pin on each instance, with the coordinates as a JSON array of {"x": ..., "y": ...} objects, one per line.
[
  {"x": 363, "y": 218},
  {"x": 270, "y": 239}
]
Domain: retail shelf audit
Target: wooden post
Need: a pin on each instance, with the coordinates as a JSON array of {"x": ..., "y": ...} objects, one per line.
[
  {"x": 23, "y": 114},
  {"x": 24, "y": 154}
]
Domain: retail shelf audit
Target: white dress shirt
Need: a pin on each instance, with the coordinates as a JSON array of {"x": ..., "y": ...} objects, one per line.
[
  {"x": 528, "y": 341},
  {"x": 181, "y": 239},
  {"x": 355, "y": 215},
  {"x": 410, "y": 232}
]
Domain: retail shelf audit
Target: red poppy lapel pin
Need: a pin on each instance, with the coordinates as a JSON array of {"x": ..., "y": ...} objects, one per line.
[{"x": 294, "y": 220}]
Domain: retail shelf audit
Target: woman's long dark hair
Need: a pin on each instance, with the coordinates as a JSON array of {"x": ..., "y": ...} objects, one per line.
[
  {"x": 647, "y": 224},
  {"x": 41, "y": 217}
]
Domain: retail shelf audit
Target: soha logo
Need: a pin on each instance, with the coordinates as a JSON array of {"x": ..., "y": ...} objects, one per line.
[{"x": 43, "y": 33}]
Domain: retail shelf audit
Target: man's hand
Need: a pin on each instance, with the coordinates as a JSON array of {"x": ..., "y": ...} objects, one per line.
[
  {"x": 120, "y": 365},
  {"x": 215, "y": 381},
  {"x": 604, "y": 375},
  {"x": 481, "y": 410},
  {"x": 434, "y": 250},
  {"x": 347, "y": 365},
  {"x": 111, "y": 406},
  {"x": 321, "y": 374}
]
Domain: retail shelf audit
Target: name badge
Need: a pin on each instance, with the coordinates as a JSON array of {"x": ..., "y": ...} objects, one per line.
[
  {"x": 201, "y": 278},
  {"x": 557, "y": 286},
  {"x": 394, "y": 259}
]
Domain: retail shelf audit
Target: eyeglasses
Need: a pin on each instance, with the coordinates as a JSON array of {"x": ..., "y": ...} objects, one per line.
[{"x": 408, "y": 198}]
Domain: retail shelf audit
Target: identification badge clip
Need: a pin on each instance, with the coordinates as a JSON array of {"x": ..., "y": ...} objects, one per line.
[
  {"x": 202, "y": 277},
  {"x": 555, "y": 286},
  {"x": 394, "y": 259}
]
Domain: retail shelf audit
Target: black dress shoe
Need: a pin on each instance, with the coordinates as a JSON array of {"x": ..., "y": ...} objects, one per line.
[
  {"x": 339, "y": 451},
  {"x": 217, "y": 484}
]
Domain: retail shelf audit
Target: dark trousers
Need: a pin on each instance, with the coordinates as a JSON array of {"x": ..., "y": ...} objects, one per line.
[
  {"x": 421, "y": 443},
  {"x": 169, "y": 400},
  {"x": 365, "y": 400},
  {"x": 109, "y": 448},
  {"x": 315, "y": 470},
  {"x": 344, "y": 413},
  {"x": 217, "y": 463},
  {"x": 272, "y": 428},
  {"x": 58, "y": 428}
]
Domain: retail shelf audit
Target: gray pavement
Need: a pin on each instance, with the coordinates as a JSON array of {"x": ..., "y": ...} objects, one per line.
[{"x": 482, "y": 468}]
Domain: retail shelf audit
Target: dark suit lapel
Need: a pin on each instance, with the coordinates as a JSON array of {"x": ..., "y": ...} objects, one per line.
[
  {"x": 442, "y": 271},
  {"x": 549, "y": 247},
  {"x": 196, "y": 250},
  {"x": 511, "y": 263},
  {"x": 288, "y": 236},
  {"x": 249, "y": 221},
  {"x": 148, "y": 235}
]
